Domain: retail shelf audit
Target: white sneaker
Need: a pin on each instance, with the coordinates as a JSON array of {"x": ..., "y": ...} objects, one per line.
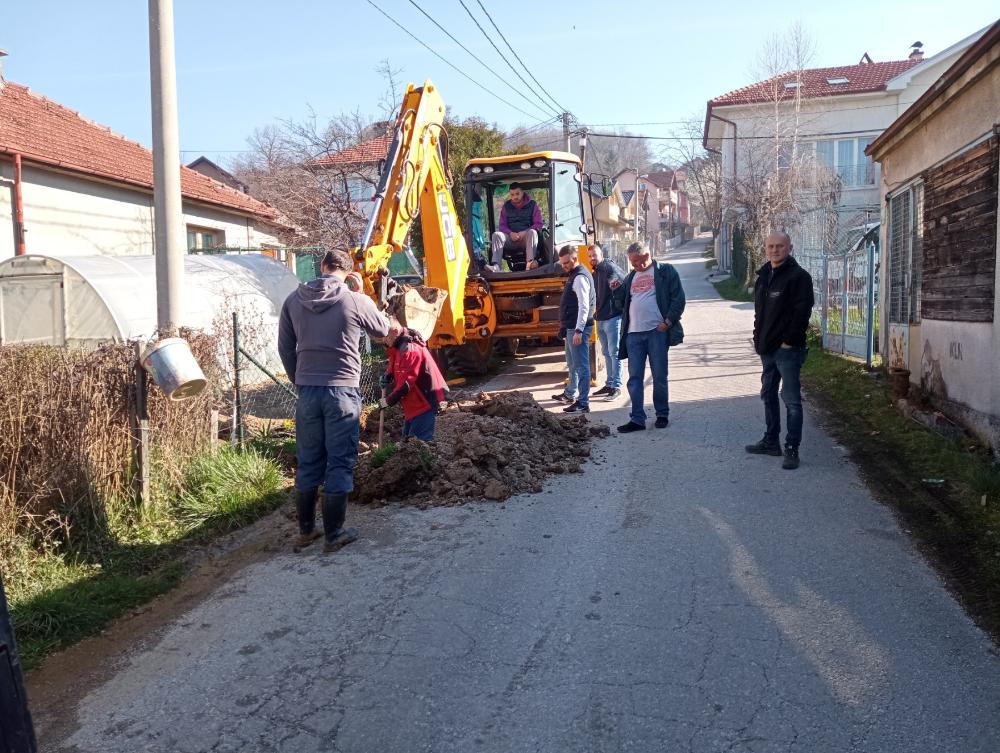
[{"x": 491, "y": 268}]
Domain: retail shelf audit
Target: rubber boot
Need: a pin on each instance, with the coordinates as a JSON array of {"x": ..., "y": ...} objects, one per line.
[
  {"x": 305, "y": 505},
  {"x": 334, "y": 515}
]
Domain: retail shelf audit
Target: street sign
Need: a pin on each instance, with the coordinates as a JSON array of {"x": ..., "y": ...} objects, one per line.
[{"x": 16, "y": 732}]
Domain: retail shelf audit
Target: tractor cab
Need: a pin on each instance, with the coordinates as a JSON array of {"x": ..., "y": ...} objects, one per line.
[{"x": 552, "y": 180}]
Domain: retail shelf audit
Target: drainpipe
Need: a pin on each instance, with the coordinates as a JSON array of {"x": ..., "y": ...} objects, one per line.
[{"x": 20, "y": 249}]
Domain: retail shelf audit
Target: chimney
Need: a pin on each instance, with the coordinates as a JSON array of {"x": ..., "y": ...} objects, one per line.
[{"x": 917, "y": 53}]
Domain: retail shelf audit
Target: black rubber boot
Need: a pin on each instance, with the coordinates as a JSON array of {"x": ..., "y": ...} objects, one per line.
[
  {"x": 334, "y": 515},
  {"x": 305, "y": 506}
]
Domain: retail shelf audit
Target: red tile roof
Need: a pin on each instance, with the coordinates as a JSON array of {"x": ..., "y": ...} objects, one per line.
[
  {"x": 366, "y": 152},
  {"x": 46, "y": 132},
  {"x": 661, "y": 178},
  {"x": 864, "y": 77}
]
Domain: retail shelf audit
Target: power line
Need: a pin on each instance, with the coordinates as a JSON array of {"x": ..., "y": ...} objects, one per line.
[
  {"x": 728, "y": 138},
  {"x": 504, "y": 57},
  {"x": 446, "y": 62},
  {"x": 538, "y": 126},
  {"x": 519, "y": 58},
  {"x": 476, "y": 57}
]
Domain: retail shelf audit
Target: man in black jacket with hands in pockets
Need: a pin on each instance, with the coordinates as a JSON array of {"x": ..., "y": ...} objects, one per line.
[{"x": 783, "y": 301}]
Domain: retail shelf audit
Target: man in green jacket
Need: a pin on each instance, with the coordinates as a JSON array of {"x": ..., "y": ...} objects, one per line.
[{"x": 651, "y": 300}]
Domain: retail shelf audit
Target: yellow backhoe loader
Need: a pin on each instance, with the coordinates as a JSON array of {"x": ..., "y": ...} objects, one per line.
[{"x": 464, "y": 309}]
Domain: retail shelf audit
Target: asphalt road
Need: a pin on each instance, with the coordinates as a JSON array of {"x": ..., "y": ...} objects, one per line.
[{"x": 677, "y": 595}]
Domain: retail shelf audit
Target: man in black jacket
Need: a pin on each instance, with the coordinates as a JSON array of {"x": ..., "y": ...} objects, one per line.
[
  {"x": 607, "y": 319},
  {"x": 783, "y": 301}
]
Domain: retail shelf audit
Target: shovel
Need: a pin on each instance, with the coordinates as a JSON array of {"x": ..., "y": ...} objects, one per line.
[{"x": 381, "y": 421}]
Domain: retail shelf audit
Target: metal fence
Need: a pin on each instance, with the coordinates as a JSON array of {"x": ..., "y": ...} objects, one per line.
[
  {"x": 840, "y": 249},
  {"x": 257, "y": 394}
]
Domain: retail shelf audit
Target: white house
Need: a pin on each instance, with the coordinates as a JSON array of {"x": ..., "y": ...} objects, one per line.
[
  {"x": 74, "y": 187},
  {"x": 834, "y": 114}
]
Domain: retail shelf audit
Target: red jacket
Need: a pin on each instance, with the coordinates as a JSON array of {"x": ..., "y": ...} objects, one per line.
[{"x": 417, "y": 383}]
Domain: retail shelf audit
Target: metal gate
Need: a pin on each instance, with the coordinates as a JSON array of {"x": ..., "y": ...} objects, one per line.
[
  {"x": 16, "y": 732},
  {"x": 842, "y": 255}
]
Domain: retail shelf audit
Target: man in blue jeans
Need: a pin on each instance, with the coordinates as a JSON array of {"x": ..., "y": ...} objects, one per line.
[
  {"x": 319, "y": 339},
  {"x": 576, "y": 324},
  {"x": 783, "y": 301},
  {"x": 608, "y": 319},
  {"x": 651, "y": 300}
]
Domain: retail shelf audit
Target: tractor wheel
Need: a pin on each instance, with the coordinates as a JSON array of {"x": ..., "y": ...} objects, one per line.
[
  {"x": 471, "y": 358},
  {"x": 507, "y": 346}
]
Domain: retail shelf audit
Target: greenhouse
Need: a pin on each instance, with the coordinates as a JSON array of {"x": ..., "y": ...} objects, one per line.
[{"x": 84, "y": 301}]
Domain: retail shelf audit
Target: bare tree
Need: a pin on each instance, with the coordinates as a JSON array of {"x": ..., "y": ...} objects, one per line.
[
  {"x": 294, "y": 167},
  {"x": 777, "y": 181},
  {"x": 703, "y": 170},
  {"x": 299, "y": 167}
]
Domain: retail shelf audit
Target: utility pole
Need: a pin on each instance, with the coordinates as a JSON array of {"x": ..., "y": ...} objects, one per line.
[
  {"x": 168, "y": 212},
  {"x": 636, "y": 197},
  {"x": 569, "y": 144}
]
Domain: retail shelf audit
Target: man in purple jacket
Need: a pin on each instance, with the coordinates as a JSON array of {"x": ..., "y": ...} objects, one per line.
[{"x": 520, "y": 221}]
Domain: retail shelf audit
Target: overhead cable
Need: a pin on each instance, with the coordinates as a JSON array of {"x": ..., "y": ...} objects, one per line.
[
  {"x": 448, "y": 63},
  {"x": 479, "y": 59}
]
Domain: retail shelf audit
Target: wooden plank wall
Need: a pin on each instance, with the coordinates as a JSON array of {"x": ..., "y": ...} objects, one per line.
[{"x": 960, "y": 236}]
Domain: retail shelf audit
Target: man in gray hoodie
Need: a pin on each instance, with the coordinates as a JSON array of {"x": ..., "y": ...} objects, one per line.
[{"x": 319, "y": 341}]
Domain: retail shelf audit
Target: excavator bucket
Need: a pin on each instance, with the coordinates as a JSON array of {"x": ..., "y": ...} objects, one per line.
[{"x": 418, "y": 307}]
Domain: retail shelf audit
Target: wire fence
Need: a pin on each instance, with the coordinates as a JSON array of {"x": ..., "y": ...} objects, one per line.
[
  {"x": 258, "y": 393},
  {"x": 840, "y": 249}
]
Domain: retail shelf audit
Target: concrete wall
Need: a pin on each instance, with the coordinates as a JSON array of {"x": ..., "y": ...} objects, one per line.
[{"x": 65, "y": 214}]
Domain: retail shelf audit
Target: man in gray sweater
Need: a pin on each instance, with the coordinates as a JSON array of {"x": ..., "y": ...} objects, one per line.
[{"x": 319, "y": 339}]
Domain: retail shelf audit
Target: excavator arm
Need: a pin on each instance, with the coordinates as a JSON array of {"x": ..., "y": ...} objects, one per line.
[{"x": 415, "y": 180}]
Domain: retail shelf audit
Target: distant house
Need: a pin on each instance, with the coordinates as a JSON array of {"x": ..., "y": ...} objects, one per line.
[
  {"x": 834, "y": 113},
  {"x": 674, "y": 208},
  {"x": 355, "y": 170},
  {"x": 612, "y": 216},
  {"x": 205, "y": 166},
  {"x": 74, "y": 187},
  {"x": 940, "y": 165}
]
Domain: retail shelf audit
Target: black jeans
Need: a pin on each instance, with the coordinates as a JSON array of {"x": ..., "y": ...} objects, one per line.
[{"x": 782, "y": 366}]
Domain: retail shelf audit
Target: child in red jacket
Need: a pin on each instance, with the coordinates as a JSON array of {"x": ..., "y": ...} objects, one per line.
[{"x": 414, "y": 381}]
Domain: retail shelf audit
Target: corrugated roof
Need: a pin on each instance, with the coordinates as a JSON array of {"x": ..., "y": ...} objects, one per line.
[
  {"x": 861, "y": 78},
  {"x": 47, "y": 132}
]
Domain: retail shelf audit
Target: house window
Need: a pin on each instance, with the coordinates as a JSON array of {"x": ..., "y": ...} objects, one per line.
[
  {"x": 359, "y": 190},
  {"x": 906, "y": 246},
  {"x": 203, "y": 239},
  {"x": 846, "y": 159}
]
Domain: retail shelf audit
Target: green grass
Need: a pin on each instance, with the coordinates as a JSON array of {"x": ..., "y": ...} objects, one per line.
[
  {"x": 958, "y": 523},
  {"x": 61, "y": 594},
  {"x": 732, "y": 290},
  {"x": 383, "y": 453}
]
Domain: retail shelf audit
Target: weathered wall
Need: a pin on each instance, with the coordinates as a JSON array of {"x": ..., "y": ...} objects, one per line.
[{"x": 954, "y": 352}]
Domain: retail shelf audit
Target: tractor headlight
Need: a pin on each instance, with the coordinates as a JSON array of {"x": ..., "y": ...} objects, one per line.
[
  {"x": 525, "y": 165},
  {"x": 477, "y": 169},
  {"x": 539, "y": 163},
  {"x": 488, "y": 169}
]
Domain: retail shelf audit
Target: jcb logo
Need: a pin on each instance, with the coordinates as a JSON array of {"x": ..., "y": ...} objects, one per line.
[{"x": 447, "y": 227}]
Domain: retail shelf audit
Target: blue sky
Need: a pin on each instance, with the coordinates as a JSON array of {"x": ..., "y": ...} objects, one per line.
[{"x": 244, "y": 64}]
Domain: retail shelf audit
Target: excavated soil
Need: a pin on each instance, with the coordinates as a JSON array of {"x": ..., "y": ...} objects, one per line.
[{"x": 491, "y": 447}]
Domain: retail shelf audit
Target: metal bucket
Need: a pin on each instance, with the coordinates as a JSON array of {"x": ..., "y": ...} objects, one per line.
[{"x": 173, "y": 368}]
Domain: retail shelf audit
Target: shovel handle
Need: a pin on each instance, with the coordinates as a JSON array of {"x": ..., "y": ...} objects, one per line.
[{"x": 381, "y": 423}]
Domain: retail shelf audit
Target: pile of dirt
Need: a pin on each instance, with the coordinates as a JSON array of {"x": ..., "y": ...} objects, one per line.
[{"x": 491, "y": 447}]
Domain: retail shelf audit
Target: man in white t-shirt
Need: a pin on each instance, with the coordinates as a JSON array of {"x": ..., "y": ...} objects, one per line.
[{"x": 652, "y": 300}]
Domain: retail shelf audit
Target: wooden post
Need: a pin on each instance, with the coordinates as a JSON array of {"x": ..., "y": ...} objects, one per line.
[
  {"x": 140, "y": 426},
  {"x": 237, "y": 433},
  {"x": 213, "y": 432}
]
